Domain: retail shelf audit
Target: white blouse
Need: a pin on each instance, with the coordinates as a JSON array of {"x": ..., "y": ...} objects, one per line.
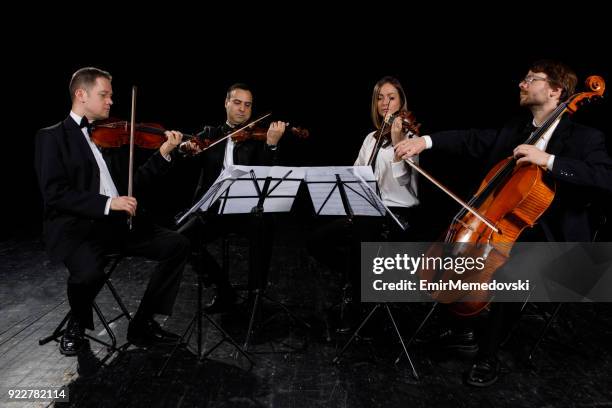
[{"x": 397, "y": 182}]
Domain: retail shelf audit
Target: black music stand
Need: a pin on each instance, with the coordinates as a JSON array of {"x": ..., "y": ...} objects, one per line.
[
  {"x": 357, "y": 197},
  {"x": 245, "y": 195},
  {"x": 197, "y": 215}
]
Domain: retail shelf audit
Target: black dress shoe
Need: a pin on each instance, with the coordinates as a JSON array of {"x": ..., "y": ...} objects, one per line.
[
  {"x": 73, "y": 340},
  {"x": 223, "y": 301},
  {"x": 147, "y": 332},
  {"x": 484, "y": 372},
  {"x": 461, "y": 341}
]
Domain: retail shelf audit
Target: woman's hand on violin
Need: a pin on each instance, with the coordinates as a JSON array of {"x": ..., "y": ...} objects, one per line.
[
  {"x": 174, "y": 139},
  {"x": 530, "y": 154},
  {"x": 124, "y": 203},
  {"x": 275, "y": 132},
  {"x": 408, "y": 148},
  {"x": 396, "y": 131}
]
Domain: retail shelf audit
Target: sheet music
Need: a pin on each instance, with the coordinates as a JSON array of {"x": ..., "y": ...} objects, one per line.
[
  {"x": 242, "y": 196},
  {"x": 225, "y": 180},
  {"x": 322, "y": 181},
  {"x": 379, "y": 203},
  {"x": 221, "y": 184}
]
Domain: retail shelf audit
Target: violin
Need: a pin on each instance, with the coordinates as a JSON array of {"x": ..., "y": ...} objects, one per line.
[
  {"x": 116, "y": 133},
  {"x": 258, "y": 132},
  {"x": 409, "y": 124},
  {"x": 383, "y": 135},
  {"x": 246, "y": 132}
]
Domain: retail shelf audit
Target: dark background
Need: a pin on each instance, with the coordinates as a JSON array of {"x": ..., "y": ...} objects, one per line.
[{"x": 319, "y": 77}]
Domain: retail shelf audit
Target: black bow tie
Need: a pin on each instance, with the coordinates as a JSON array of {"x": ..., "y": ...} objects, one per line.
[{"x": 85, "y": 124}]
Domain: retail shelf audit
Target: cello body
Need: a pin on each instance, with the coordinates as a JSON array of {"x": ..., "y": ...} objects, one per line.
[{"x": 512, "y": 206}]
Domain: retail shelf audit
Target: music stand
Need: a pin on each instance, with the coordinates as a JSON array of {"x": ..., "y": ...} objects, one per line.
[
  {"x": 349, "y": 191},
  {"x": 196, "y": 215},
  {"x": 259, "y": 190}
]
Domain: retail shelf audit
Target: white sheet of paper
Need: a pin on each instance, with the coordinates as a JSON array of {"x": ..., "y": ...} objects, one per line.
[
  {"x": 321, "y": 181},
  {"x": 242, "y": 195},
  {"x": 216, "y": 189}
]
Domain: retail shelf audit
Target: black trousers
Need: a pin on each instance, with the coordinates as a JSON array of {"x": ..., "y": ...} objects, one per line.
[
  {"x": 503, "y": 316},
  {"x": 336, "y": 243},
  {"x": 86, "y": 266}
]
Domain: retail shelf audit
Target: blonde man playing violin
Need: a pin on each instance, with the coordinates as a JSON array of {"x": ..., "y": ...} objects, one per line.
[{"x": 85, "y": 212}]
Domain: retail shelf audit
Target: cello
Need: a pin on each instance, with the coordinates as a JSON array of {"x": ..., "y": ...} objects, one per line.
[{"x": 510, "y": 199}]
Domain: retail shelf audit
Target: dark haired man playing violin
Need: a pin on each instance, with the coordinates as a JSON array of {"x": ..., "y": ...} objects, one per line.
[
  {"x": 85, "y": 213},
  {"x": 238, "y": 108},
  {"x": 574, "y": 156}
]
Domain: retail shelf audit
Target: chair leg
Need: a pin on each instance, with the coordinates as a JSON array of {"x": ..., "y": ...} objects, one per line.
[
  {"x": 124, "y": 310},
  {"x": 107, "y": 327},
  {"x": 58, "y": 332}
]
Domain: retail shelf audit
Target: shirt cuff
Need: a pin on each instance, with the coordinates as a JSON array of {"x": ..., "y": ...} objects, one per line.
[
  {"x": 428, "y": 142},
  {"x": 107, "y": 207},
  {"x": 167, "y": 157},
  {"x": 550, "y": 162}
]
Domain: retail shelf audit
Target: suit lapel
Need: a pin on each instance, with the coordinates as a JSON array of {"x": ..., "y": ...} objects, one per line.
[
  {"x": 75, "y": 136},
  {"x": 559, "y": 137}
]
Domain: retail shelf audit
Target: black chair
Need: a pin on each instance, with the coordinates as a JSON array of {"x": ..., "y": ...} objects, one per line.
[{"x": 113, "y": 260}]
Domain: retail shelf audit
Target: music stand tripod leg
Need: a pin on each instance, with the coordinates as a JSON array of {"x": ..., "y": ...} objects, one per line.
[
  {"x": 228, "y": 338},
  {"x": 355, "y": 334},
  {"x": 183, "y": 340},
  {"x": 196, "y": 324},
  {"x": 544, "y": 331},
  {"x": 256, "y": 302},
  {"x": 417, "y": 331},
  {"x": 401, "y": 339}
]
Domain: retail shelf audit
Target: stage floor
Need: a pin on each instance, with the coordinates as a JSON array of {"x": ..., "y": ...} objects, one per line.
[{"x": 293, "y": 365}]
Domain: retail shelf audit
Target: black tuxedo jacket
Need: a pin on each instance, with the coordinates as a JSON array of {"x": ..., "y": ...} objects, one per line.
[
  {"x": 582, "y": 168},
  {"x": 69, "y": 180}
]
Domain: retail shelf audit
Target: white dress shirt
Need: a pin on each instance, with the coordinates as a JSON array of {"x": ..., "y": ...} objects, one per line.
[
  {"x": 228, "y": 159},
  {"x": 107, "y": 185},
  {"x": 397, "y": 185}
]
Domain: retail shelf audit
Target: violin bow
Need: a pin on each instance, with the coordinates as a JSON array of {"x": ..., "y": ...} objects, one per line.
[
  {"x": 379, "y": 140},
  {"x": 131, "y": 161},
  {"x": 451, "y": 194},
  {"x": 236, "y": 131}
]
